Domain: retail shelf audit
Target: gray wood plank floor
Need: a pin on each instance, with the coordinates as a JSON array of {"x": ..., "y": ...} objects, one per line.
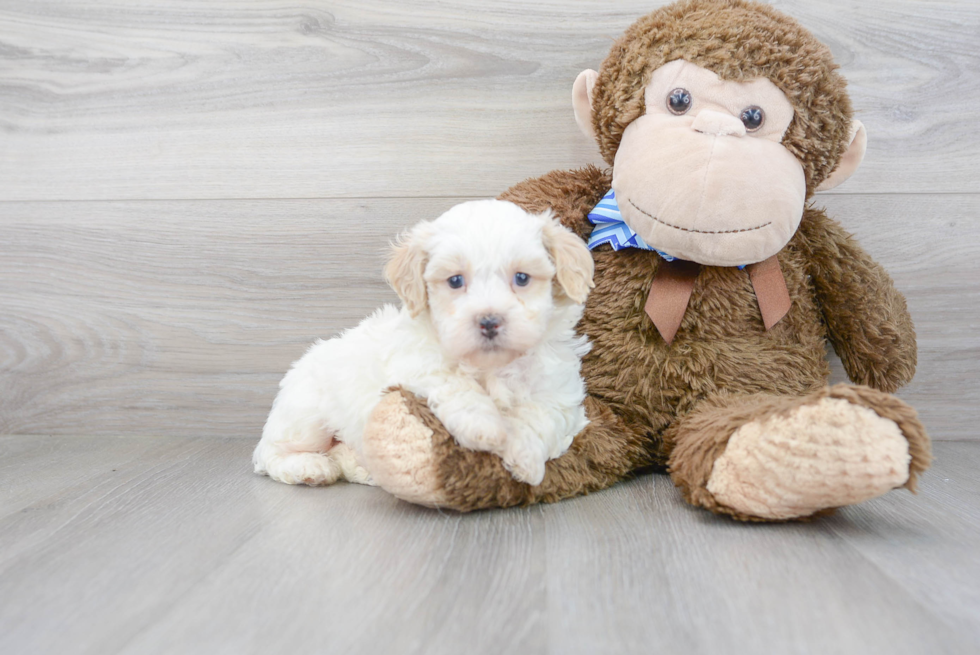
[{"x": 166, "y": 545}]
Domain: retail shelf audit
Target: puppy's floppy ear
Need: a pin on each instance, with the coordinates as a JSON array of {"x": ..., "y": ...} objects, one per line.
[
  {"x": 573, "y": 260},
  {"x": 406, "y": 266}
]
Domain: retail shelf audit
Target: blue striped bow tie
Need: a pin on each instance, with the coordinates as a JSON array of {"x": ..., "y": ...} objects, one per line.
[
  {"x": 673, "y": 283},
  {"x": 610, "y": 228}
]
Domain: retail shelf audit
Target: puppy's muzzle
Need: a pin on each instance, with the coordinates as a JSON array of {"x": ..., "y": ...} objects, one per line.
[{"x": 490, "y": 325}]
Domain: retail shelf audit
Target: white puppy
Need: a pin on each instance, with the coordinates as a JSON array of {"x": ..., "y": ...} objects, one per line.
[{"x": 491, "y": 295}]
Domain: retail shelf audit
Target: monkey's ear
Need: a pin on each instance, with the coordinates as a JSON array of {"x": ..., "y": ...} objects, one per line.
[
  {"x": 406, "y": 267},
  {"x": 574, "y": 265},
  {"x": 582, "y": 101},
  {"x": 851, "y": 159}
]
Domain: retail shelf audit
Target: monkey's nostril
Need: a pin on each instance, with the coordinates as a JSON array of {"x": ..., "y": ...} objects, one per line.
[{"x": 489, "y": 326}]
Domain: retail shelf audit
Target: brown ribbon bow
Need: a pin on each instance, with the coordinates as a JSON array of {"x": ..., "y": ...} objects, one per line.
[{"x": 674, "y": 281}]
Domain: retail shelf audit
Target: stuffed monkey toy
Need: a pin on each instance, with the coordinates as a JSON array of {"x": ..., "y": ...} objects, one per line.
[{"x": 718, "y": 285}]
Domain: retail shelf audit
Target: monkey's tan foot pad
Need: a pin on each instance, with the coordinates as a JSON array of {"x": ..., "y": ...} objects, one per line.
[
  {"x": 817, "y": 456},
  {"x": 399, "y": 453}
]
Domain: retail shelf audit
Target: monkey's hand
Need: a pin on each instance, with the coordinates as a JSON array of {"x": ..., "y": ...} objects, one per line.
[
  {"x": 410, "y": 454},
  {"x": 867, "y": 320}
]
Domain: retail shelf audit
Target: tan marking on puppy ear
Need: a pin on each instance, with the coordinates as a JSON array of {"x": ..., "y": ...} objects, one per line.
[
  {"x": 573, "y": 260},
  {"x": 582, "y": 101},
  {"x": 406, "y": 266},
  {"x": 851, "y": 159}
]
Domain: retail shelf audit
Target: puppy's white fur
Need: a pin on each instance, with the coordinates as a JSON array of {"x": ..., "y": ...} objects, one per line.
[{"x": 513, "y": 389}]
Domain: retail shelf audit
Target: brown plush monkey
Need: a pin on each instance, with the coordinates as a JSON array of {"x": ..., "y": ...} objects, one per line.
[{"x": 720, "y": 119}]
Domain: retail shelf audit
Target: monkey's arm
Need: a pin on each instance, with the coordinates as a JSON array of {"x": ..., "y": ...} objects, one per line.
[
  {"x": 867, "y": 320},
  {"x": 572, "y": 194},
  {"x": 410, "y": 454}
]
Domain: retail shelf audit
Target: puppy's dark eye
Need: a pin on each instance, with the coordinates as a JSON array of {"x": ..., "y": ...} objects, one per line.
[
  {"x": 456, "y": 281},
  {"x": 753, "y": 118},
  {"x": 679, "y": 101},
  {"x": 521, "y": 279}
]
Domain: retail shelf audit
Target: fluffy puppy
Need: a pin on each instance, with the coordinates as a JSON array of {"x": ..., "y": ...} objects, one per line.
[{"x": 491, "y": 295}]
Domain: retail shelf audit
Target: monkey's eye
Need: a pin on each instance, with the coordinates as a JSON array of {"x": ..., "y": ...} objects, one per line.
[
  {"x": 679, "y": 101},
  {"x": 521, "y": 279},
  {"x": 753, "y": 117},
  {"x": 456, "y": 281}
]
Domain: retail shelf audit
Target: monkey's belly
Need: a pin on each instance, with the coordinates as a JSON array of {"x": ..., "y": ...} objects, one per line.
[{"x": 722, "y": 345}]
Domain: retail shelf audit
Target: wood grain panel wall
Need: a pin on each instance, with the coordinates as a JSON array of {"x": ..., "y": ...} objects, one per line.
[
  {"x": 181, "y": 316},
  {"x": 191, "y": 191},
  {"x": 228, "y": 99}
]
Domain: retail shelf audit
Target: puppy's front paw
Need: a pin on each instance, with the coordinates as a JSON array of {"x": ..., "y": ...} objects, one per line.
[
  {"x": 526, "y": 462},
  {"x": 477, "y": 430},
  {"x": 312, "y": 469}
]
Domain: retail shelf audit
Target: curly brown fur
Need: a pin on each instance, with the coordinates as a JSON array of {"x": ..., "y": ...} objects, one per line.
[
  {"x": 572, "y": 195},
  {"x": 649, "y": 385},
  {"x": 867, "y": 320},
  {"x": 646, "y": 382},
  {"x": 738, "y": 40},
  {"x": 642, "y": 392}
]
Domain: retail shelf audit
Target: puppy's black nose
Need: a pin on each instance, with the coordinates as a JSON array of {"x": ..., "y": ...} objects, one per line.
[{"x": 489, "y": 326}]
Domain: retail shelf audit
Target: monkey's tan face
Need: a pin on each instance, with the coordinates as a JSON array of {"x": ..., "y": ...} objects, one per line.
[{"x": 702, "y": 175}]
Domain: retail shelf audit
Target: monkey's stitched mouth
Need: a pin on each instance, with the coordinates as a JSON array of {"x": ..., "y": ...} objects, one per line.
[{"x": 687, "y": 229}]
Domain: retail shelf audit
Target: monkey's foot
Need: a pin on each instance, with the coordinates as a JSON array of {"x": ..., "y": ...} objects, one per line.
[{"x": 786, "y": 458}]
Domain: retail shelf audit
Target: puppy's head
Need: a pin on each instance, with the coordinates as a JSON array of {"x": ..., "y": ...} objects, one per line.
[{"x": 494, "y": 279}]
